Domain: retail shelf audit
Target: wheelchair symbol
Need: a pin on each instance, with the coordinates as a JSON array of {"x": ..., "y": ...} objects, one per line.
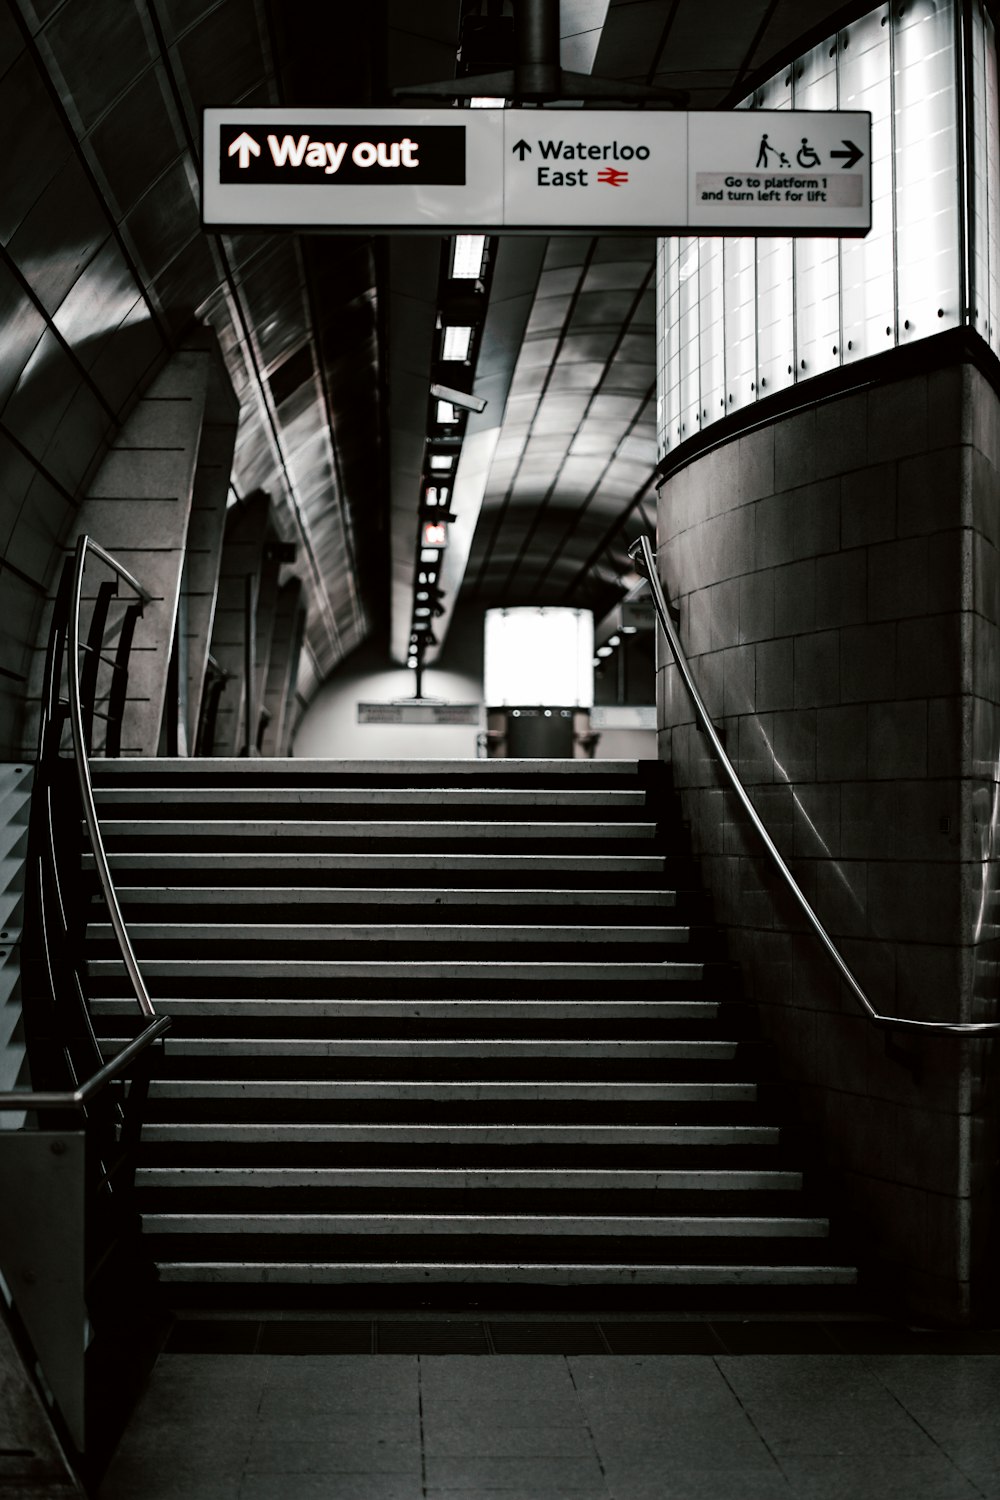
[{"x": 806, "y": 156}]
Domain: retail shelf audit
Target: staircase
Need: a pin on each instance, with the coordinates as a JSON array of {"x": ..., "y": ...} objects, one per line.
[{"x": 441, "y": 1023}]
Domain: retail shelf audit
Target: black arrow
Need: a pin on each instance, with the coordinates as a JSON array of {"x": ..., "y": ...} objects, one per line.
[
  {"x": 852, "y": 154},
  {"x": 521, "y": 147}
]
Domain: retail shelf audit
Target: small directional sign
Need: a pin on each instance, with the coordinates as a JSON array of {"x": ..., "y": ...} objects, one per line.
[
  {"x": 777, "y": 171},
  {"x": 614, "y": 171}
]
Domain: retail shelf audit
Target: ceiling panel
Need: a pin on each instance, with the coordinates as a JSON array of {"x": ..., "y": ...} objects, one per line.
[{"x": 102, "y": 236}]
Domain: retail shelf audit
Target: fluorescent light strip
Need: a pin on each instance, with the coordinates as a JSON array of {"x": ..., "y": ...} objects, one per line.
[
  {"x": 467, "y": 257},
  {"x": 457, "y": 341}
]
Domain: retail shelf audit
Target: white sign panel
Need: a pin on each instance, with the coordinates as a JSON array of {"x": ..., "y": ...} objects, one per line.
[
  {"x": 628, "y": 171},
  {"x": 352, "y": 169},
  {"x": 774, "y": 172},
  {"x": 601, "y": 169}
]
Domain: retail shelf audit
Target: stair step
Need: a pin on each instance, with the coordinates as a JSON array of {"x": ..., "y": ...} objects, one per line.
[
  {"x": 459, "y": 1134},
  {"x": 537, "y": 1049},
  {"x": 608, "y": 799},
  {"x": 446, "y": 1091},
  {"x": 587, "y": 1089},
  {"x": 519, "y": 1273},
  {"x": 593, "y": 866},
  {"x": 153, "y": 771},
  {"x": 361, "y": 895},
  {"x": 435, "y": 970},
  {"x": 386, "y": 932},
  {"x": 568, "y": 1178},
  {"x": 617, "y": 1225},
  {"x": 429, "y": 1010},
  {"x": 378, "y": 829}
]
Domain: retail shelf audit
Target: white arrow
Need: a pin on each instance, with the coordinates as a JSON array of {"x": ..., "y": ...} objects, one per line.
[{"x": 246, "y": 146}]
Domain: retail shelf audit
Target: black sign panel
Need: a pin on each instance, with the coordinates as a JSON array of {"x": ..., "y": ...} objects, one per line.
[{"x": 350, "y": 155}]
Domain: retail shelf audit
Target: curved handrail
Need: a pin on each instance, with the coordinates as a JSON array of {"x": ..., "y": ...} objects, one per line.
[
  {"x": 83, "y": 546},
  {"x": 642, "y": 555},
  {"x": 79, "y": 1098}
]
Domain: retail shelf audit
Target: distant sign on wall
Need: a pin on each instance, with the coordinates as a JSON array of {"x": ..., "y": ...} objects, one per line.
[
  {"x": 661, "y": 172},
  {"x": 623, "y": 716},
  {"x": 415, "y": 713}
]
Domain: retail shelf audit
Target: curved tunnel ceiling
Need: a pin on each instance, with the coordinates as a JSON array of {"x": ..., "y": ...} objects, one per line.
[{"x": 104, "y": 265}]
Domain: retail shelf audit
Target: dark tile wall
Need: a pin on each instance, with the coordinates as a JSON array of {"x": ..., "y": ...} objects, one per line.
[{"x": 838, "y": 576}]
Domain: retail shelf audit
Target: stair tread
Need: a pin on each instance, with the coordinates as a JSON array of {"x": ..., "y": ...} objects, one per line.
[
  {"x": 367, "y": 1009},
  {"x": 362, "y": 895},
  {"x": 608, "y": 1178},
  {"x": 581, "y": 863},
  {"x": 342, "y": 1088},
  {"x": 265, "y": 968},
  {"x": 439, "y": 796},
  {"x": 501, "y": 1133},
  {"x": 520, "y": 1272},
  {"x": 373, "y": 828},
  {"x": 243, "y": 769},
  {"x": 393, "y": 932},
  {"x": 667, "y": 1225},
  {"x": 433, "y": 1047},
  {"x": 599, "y": 864}
]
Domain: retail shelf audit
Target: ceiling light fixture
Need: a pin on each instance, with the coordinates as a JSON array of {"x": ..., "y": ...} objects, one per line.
[
  {"x": 467, "y": 257},
  {"x": 457, "y": 341}
]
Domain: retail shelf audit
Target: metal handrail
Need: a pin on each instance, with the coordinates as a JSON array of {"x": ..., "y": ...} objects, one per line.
[
  {"x": 79, "y": 1098},
  {"x": 642, "y": 555},
  {"x": 83, "y": 546}
]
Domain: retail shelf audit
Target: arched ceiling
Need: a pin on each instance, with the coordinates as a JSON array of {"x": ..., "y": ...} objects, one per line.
[{"x": 328, "y": 339}]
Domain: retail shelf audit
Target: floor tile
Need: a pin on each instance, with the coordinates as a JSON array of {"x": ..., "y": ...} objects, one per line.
[
  {"x": 271, "y": 1426},
  {"x": 319, "y": 1385},
  {"x": 446, "y": 1472},
  {"x": 517, "y": 1494},
  {"x": 516, "y": 1389},
  {"x": 702, "y": 1484},
  {"x": 773, "y": 1338},
  {"x": 360, "y": 1453},
  {"x": 334, "y": 1425},
  {"x": 360, "y": 1486},
  {"x": 822, "y": 1405},
  {"x": 675, "y": 1398},
  {"x": 957, "y": 1402},
  {"x": 142, "y": 1477},
  {"x": 878, "y": 1477},
  {"x": 661, "y": 1338},
  {"x": 698, "y": 1448},
  {"x": 488, "y": 1437}
]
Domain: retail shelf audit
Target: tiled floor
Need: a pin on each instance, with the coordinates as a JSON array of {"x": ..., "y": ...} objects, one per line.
[{"x": 555, "y": 1426}]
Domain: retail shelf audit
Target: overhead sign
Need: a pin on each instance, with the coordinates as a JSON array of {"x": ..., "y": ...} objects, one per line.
[{"x": 616, "y": 171}]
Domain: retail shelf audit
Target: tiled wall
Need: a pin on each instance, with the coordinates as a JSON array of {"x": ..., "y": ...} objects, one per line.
[{"x": 838, "y": 577}]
